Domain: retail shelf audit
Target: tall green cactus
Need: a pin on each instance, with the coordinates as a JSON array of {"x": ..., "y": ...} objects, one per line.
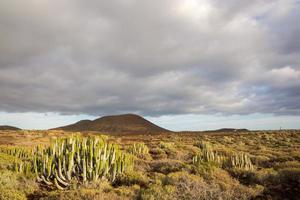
[
  {"x": 138, "y": 149},
  {"x": 19, "y": 152},
  {"x": 74, "y": 159},
  {"x": 208, "y": 156},
  {"x": 240, "y": 161}
]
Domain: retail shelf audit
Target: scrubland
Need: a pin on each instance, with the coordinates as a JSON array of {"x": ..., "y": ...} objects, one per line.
[{"x": 65, "y": 165}]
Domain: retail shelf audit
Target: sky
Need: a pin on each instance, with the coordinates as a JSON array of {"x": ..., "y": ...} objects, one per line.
[{"x": 183, "y": 64}]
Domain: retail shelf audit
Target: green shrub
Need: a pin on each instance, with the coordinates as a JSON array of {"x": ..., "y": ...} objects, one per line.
[
  {"x": 11, "y": 194},
  {"x": 132, "y": 178},
  {"x": 6, "y": 161},
  {"x": 10, "y": 180},
  {"x": 130, "y": 192},
  {"x": 155, "y": 192},
  {"x": 166, "y": 145},
  {"x": 82, "y": 194},
  {"x": 288, "y": 164},
  {"x": 167, "y": 166},
  {"x": 158, "y": 153}
]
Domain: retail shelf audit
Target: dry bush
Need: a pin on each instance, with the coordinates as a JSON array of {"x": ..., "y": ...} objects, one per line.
[
  {"x": 158, "y": 153},
  {"x": 11, "y": 194},
  {"x": 128, "y": 192},
  {"x": 232, "y": 187},
  {"x": 132, "y": 178},
  {"x": 155, "y": 192},
  {"x": 289, "y": 164},
  {"x": 167, "y": 166},
  {"x": 185, "y": 186},
  {"x": 84, "y": 194},
  {"x": 141, "y": 165},
  {"x": 13, "y": 181}
]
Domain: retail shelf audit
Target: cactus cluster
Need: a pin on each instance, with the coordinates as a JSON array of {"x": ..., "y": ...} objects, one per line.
[
  {"x": 71, "y": 160},
  {"x": 22, "y": 167},
  {"x": 80, "y": 160},
  {"x": 22, "y": 153},
  {"x": 203, "y": 145},
  {"x": 208, "y": 156},
  {"x": 240, "y": 161},
  {"x": 138, "y": 149}
]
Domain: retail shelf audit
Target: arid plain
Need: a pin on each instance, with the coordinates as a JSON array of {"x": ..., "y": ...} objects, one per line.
[{"x": 184, "y": 165}]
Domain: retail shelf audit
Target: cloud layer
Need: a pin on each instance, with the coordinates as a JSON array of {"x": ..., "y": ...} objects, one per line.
[{"x": 150, "y": 57}]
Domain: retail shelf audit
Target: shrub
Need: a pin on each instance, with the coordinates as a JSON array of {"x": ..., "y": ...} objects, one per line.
[
  {"x": 290, "y": 181},
  {"x": 13, "y": 181},
  {"x": 130, "y": 192},
  {"x": 11, "y": 194},
  {"x": 231, "y": 188},
  {"x": 158, "y": 153},
  {"x": 288, "y": 164},
  {"x": 166, "y": 145},
  {"x": 284, "y": 185},
  {"x": 204, "y": 169},
  {"x": 167, "y": 166},
  {"x": 191, "y": 187},
  {"x": 155, "y": 192},
  {"x": 82, "y": 194},
  {"x": 132, "y": 178}
]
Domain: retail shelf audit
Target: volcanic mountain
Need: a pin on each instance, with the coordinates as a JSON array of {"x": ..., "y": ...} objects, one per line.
[
  {"x": 11, "y": 128},
  {"x": 127, "y": 123}
]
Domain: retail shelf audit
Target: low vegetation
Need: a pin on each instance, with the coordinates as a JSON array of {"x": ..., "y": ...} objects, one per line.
[{"x": 250, "y": 165}]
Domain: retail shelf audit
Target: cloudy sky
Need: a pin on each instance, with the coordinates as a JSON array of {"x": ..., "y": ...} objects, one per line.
[{"x": 184, "y": 64}]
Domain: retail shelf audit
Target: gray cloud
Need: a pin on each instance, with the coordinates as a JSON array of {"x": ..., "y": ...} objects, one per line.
[{"x": 150, "y": 57}]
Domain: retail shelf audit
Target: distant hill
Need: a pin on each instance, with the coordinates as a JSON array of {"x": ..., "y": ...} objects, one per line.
[
  {"x": 11, "y": 128},
  {"x": 230, "y": 130},
  {"x": 127, "y": 123}
]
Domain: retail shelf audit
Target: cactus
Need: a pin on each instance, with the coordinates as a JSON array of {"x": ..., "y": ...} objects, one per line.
[
  {"x": 208, "y": 156},
  {"x": 73, "y": 159},
  {"x": 138, "y": 149},
  {"x": 240, "y": 161},
  {"x": 18, "y": 152},
  {"x": 78, "y": 159}
]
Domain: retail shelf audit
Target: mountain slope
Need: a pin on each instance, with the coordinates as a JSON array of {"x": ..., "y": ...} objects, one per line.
[
  {"x": 128, "y": 123},
  {"x": 11, "y": 128}
]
